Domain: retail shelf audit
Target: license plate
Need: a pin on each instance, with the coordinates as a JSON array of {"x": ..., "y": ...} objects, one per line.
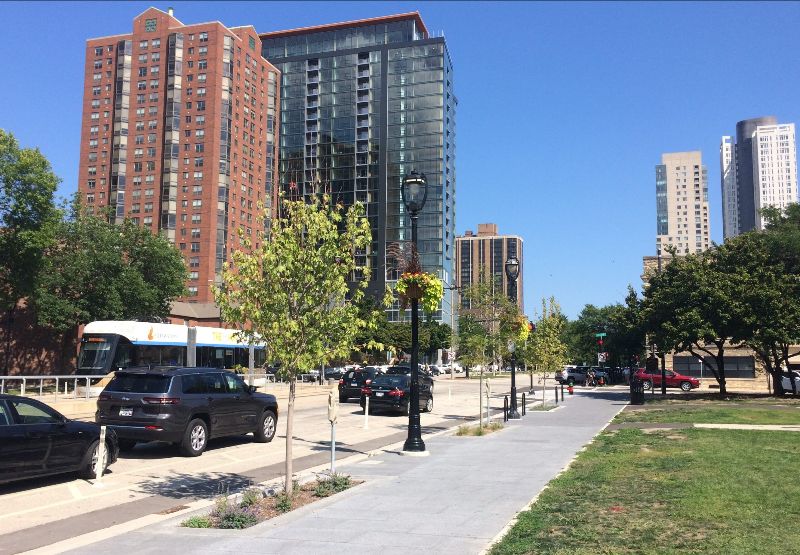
[
  {"x": 354, "y": 384},
  {"x": 125, "y": 411},
  {"x": 379, "y": 394}
]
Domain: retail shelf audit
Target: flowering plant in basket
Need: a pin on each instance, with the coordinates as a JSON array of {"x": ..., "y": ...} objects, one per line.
[{"x": 420, "y": 285}]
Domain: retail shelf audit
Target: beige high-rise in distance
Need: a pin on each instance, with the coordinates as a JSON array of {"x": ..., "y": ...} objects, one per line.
[{"x": 682, "y": 203}]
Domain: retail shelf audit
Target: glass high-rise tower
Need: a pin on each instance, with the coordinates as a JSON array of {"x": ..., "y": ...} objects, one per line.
[{"x": 363, "y": 103}]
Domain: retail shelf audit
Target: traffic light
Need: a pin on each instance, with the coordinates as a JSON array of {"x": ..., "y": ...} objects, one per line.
[{"x": 600, "y": 341}]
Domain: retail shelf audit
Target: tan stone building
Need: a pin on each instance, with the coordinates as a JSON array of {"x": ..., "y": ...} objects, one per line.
[
  {"x": 682, "y": 219},
  {"x": 485, "y": 253}
]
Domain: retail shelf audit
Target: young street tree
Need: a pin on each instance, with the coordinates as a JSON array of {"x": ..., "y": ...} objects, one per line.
[
  {"x": 291, "y": 291},
  {"x": 27, "y": 186},
  {"x": 545, "y": 350},
  {"x": 487, "y": 322}
]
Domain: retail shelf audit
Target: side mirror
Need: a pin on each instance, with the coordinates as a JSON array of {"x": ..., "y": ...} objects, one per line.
[{"x": 252, "y": 388}]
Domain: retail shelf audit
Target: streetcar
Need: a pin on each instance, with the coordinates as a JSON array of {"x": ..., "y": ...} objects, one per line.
[{"x": 107, "y": 346}]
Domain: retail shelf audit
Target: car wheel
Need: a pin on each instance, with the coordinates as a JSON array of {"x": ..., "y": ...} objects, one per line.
[
  {"x": 266, "y": 428},
  {"x": 429, "y": 404},
  {"x": 89, "y": 466},
  {"x": 407, "y": 408},
  {"x": 195, "y": 438},
  {"x": 126, "y": 444},
  {"x": 647, "y": 385},
  {"x": 686, "y": 386}
]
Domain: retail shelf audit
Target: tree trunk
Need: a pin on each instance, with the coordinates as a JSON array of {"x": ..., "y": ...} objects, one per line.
[
  {"x": 720, "y": 359},
  {"x": 289, "y": 430}
]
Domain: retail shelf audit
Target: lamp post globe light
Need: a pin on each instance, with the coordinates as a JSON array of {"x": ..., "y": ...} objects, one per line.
[
  {"x": 414, "y": 189},
  {"x": 512, "y": 273}
]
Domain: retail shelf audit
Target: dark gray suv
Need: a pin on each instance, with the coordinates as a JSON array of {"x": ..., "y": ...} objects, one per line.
[{"x": 185, "y": 406}]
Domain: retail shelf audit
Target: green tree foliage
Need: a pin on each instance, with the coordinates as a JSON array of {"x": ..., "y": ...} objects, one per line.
[
  {"x": 622, "y": 324},
  {"x": 292, "y": 293},
  {"x": 580, "y": 333},
  {"x": 27, "y": 186},
  {"x": 96, "y": 270},
  {"x": 768, "y": 266},
  {"x": 695, "y": 305},
  {"x": 545, "y": 348}
]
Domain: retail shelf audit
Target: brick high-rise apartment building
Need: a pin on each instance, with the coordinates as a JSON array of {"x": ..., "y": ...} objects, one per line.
[{"x": 178, "y": 134}]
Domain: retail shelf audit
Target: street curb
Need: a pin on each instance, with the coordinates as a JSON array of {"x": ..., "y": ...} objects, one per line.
[{"x": 500, "y": 535}]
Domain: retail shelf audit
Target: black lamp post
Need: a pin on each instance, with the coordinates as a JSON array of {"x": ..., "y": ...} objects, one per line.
[
  {"x": 415, "y": 191},
  {"x": 512, "y": 272}
]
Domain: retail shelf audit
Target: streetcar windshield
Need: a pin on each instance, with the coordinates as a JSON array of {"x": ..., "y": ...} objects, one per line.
[{"x": 95, "y": 352}]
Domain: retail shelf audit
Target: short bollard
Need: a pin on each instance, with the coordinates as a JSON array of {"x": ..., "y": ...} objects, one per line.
[
  {"x": 99, "y": 466},
  {"x": 366, "y": 413},
  {"x": 523, "y": 404},
  {"x": 505, "y": 408},
  {"x": 556, "y": 391},
  {"x": 562, "y": 391}
]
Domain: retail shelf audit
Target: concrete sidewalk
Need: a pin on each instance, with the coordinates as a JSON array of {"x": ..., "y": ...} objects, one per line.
[{"x": 456, "y": 500}]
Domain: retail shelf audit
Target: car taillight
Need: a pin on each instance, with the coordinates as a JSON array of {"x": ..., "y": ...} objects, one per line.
[
  {"x": 396, "y": 393},
  {"x": 366, "y": 391},
  {"x": 341, "y": 382},
  {"x": 161, "y": 400},
  {"x": 156, "y": 428}
]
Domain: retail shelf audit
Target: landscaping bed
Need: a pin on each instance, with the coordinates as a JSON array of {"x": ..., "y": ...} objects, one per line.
[
  {"x": 672, "y": 491},
  {"x": 256, "y": 505}
]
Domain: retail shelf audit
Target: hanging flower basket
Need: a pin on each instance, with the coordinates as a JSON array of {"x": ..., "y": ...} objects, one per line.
[{"x": 426, "y": 288}]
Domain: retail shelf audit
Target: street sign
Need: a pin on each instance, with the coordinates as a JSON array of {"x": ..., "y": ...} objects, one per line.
[{"x": 603, "y": 334}]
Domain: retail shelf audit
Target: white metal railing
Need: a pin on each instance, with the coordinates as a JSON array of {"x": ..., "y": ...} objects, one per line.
[
  {"x": 77, "y": 386},
  {"x": 38, "y": 383}
]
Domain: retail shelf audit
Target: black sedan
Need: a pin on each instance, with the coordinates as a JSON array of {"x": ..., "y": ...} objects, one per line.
[
  {"x": 353, "y": 380},
  {"x": 36, "y": 440},
  {"x": 401, "y": 369},
  {"x": 393, "y": 392}
]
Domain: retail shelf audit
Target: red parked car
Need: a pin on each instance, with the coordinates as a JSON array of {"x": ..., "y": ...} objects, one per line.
[{"x": 686, "y": 383}]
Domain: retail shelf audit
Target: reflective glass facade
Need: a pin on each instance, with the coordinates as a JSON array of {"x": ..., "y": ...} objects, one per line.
[{"x": 364, "y": 104}]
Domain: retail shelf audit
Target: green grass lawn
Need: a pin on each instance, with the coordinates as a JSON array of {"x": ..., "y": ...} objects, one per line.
[
  {"x": 737, "y": 414},
  {"x": 677, "y": 491}
]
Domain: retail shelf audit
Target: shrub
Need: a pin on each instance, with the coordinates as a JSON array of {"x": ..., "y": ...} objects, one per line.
[
  {"x": 250, "y": 497},
  {"x": 332, "y": 484},
  {"x": 283, "y": 502},
  {"x": 197, "y": 522}
]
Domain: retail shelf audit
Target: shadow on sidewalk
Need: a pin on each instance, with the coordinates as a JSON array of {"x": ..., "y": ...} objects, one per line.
[{"x": 196, "y": 486}]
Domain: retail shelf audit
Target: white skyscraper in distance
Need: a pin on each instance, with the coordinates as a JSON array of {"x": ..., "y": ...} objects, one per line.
[
  {"x": 730, "y": 202},
  {"x": 774, "y": 168},
  {"x": 759, "y": 170},
  {"x": 682, "y": 203}
]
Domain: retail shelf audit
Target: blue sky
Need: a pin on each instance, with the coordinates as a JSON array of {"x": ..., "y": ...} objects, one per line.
[{"x": 564, "y": 108}]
